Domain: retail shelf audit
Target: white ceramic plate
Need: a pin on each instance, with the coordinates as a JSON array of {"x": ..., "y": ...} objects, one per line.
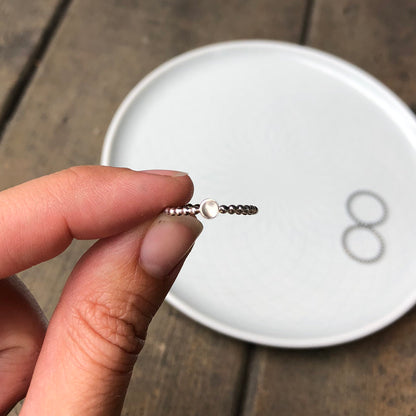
[{"x": 294, "y": 131}]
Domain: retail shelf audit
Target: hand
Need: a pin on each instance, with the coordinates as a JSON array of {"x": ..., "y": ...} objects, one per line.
[{"x": 100, "y": 323}]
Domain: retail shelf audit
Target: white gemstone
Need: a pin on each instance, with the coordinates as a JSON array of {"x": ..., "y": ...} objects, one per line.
[{"x": 209, "y": 208}]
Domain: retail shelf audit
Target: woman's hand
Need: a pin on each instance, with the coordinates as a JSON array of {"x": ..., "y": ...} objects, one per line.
[{"x": 100, "y": 323}]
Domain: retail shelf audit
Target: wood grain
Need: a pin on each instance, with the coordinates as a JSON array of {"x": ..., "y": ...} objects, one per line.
[
  {"x": 90, "y": 65},
  {"x": 373, "y": 376},
  {"x": 377, "y": 375},
  {"x": 377, "y": 35},
  {"x": 22, "y": 25}
]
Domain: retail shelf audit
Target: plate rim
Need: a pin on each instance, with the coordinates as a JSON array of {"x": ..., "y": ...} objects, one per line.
[{"x": 322, "y": 57}]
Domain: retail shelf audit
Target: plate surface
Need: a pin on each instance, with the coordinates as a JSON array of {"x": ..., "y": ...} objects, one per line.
[{"x": 294, "y": 131}]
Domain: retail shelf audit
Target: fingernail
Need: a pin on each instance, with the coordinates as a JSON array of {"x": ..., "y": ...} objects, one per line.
[
  {"x": 166, "y": 243},
  {"x": 160, "y": 172}
]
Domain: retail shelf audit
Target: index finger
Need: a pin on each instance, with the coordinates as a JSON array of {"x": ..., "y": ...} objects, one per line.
[{"x": 39, "y": 219}]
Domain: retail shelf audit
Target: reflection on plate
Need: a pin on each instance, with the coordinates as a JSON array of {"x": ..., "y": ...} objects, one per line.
[{"x": 294, "y": 131}]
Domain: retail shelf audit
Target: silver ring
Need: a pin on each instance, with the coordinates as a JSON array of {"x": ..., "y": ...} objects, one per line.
[
  {"x": 373, "y": 259},
  {"x": 209, "y": 208},
  {"x": 377, "y": 198}
]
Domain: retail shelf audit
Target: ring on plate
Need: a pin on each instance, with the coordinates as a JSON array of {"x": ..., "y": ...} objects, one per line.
[
  {"x": 347, "y": 249},
  {"x": 209, "y": 208},
  {"x": 373, "y": 195}
]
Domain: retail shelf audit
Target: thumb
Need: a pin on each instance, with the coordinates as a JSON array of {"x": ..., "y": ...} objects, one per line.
[{"x": 100, "y": 323}]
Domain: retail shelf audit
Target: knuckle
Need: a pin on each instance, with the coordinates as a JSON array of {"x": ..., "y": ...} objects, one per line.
[
  {"x": 75, "y": 177},
  {"x": 67, "y": 179},
  {"x": 72, "y": 175},
  {"x": 76, "y": 172},
  {"x": 110, "y": 330},
  {"x": 115, "y": 322}
]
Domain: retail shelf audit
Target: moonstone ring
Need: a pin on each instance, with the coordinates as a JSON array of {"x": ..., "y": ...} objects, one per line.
[{"x": 209, "y": 208}]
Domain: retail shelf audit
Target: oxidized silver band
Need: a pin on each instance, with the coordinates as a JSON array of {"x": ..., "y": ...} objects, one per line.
[
  {"x": 377, "y": 256},
  {"x": 366, "y": 225},
  {"x": 209, "y": 208},
  {"x": 373, "y": 195}
]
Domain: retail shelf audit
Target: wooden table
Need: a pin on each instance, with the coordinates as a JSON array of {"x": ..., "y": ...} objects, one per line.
[{"x": 64, "y": 68}]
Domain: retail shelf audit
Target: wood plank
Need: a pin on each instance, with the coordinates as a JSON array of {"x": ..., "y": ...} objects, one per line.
[
  {"x": 185, "y": 369},
  {"x": 377, "y": 375},
  {"x": 22, "y": 26},
  {"x": 375, "y": 35},
  {"x": 373, "y": 376}
]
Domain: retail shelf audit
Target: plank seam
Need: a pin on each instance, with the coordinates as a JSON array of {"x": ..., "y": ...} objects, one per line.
[
  {"x": 17, "y": 92},
  {"x": 241, "y": 393},
  {"x": 306, "y": 22}
]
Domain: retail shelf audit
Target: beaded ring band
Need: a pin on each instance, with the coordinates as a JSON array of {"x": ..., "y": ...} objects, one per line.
[
  {"x": 209, "y": 208},
  {"x": 366, "y": 225},
  {"x": 360, "y": 259},
  {"x": 373, "y": 195}
]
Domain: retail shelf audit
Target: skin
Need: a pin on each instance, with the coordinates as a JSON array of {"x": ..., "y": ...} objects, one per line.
[{"x": 81, "y": 363}]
